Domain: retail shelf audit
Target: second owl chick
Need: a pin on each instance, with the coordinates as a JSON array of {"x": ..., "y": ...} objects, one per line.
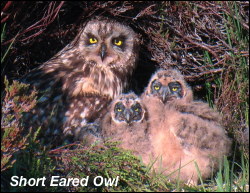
[
  {"x": 182, "y": 130},
  {"x": 170, "y": 87}
]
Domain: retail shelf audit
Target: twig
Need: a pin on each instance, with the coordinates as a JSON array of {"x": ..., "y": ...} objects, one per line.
[{"x": 212, "y": 71}]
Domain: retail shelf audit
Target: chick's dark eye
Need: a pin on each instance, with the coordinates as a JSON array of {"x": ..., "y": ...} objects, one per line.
[
  {"x": 175, "y": 86},
  {"x": 156, "y": 87},
  {"x": 137, "y": 107},
  {"x": 174, "y": 89},
  {"x": 119, "y": 109}
]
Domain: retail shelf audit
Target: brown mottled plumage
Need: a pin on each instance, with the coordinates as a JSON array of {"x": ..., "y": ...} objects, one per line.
[
  {"x": 182, "y": 130},
  {"x": 78, "y": 83}
]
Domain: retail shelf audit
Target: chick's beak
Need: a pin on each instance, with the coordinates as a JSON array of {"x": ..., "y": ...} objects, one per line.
[
  {"x": 164, "y": 94},
  {"x": 128, "y": 116}
]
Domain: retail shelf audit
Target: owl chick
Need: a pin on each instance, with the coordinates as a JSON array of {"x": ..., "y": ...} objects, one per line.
[
  {"x": 170, "y": 87},
  {"x": 126, "y": 121},
  {"x": 182, "y": 137},
  {"x": 78, "y": 83}
]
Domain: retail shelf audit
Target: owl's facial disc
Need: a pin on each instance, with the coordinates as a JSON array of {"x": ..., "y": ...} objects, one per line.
[
  {"x": 128, "y": 114},
  {"x": 106, "y": 43},
  {"x": 104, "y": 51},
  {"x": 166, "y": 92},
  {"x": 92, "y": 42}
]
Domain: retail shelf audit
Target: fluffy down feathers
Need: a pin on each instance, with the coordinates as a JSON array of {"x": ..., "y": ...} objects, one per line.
[
  {"x": 131, "y": 132},
  {"x": 182, "y": 131}
]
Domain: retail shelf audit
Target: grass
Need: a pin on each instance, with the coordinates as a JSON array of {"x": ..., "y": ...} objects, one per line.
[
  {"x": 234, "y": 177},
  {"x": 228, "y": 179},
  {"x": 3, "y": 56}
]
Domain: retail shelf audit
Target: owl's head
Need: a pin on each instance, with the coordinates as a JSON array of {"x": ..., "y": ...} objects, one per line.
[
  {"x": 107, "y": 43},
  {"x": 169, "y": 85},
  {"x": 127, "y": 109}
]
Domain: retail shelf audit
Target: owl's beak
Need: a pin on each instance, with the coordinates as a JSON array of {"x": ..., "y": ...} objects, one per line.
[
  {"x": 103, "y": 52},
  {"x": 164, "y": 93},
  {"x": 128, "y": 116}
]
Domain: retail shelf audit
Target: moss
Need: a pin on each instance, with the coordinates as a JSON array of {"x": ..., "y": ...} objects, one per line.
[{"x": 109, "y": 162}]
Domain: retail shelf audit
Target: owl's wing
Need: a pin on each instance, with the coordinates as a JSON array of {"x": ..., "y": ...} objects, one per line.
[
  {"x": 47, "y": 115},
  {"x": 205, "y": 135},
  {"x": 197, "y": 108},
  {"x": 82, "y": 113},
  {"x": 62, "y": 117}
]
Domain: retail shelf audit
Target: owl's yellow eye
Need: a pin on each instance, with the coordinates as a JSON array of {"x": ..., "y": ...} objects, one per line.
[
  {"x": 92, "y": 40},
  {"x": 156, "y": 87},
  {"x": 174, "y": 89},
  {"x": 118, "y": 42},
  {"x": 119, "y": 109},
  {"x": 137, "y": 109}
]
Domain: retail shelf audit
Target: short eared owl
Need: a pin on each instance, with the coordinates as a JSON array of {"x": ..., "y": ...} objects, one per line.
[
  {"x": 170, "y": 87},
  {"x": 183, "y": 131},
  {"x": 77, "y": 84},
  {"x": 126, "y": 121}
]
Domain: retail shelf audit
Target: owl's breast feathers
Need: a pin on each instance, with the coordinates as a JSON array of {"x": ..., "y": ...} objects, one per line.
[
  {"x": 83, "y": 79},
  {"x": 76, "y": 85}
]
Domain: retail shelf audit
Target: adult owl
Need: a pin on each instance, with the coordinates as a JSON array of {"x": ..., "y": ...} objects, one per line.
[
  {"x": 183, "y": 131},
  {"x": 77, "y": 84},
  {"x": 126, "y": 122}
]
